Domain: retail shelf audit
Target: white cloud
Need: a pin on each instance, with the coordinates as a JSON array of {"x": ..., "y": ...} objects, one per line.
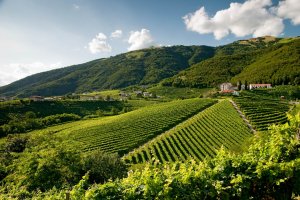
[
  {"x": 76, "y": 7},
  {"x": 140, "y": 39},
  {"x": 289, "y": 9},
  {"x": 15, "y": 71},
  {"x": 101, "y": 36},
  {"x": 253, "y": 17},
  {"x": 99, "y": 44},
  {"x": 116, "y": 34}
]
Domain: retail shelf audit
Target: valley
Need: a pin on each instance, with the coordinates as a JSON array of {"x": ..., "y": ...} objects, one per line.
[{"x": 169, "y": 129}]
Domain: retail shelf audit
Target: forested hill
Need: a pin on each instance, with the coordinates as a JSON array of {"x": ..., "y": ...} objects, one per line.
[
  {"x": 260, "y": 60},
  {"x": 140, "y": 67},
  {"x": 264, "y": 59}
]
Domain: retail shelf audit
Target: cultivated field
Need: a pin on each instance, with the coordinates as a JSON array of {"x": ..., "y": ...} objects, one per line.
[
  {"x": 197, "y": 137},
  {"x": 262, "y": 112},
  {"x": 124, "y": 132}
]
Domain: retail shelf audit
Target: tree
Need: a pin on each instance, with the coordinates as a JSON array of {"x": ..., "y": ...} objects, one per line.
[
  {"x": 246, "y": 85},
  {"x": 297, "y": 81},
  {"x": 239, "y": 84}
]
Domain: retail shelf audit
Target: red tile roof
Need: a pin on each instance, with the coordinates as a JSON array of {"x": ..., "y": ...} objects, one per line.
[{"x": 227, "y": 91}]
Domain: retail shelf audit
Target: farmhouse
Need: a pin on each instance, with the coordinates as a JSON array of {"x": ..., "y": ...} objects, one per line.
[
  {"x": 49, "y": 99},
  {"x": 89, "y": 97},
  {"x": 36, "y": 98},
  {"x": 146, "y": 94},
  {"x": 124, "y": 94},
  {"x": 4, "y": 98},
  {"x": 256, "y": 86},
  {"x": 225, "y": 86}
]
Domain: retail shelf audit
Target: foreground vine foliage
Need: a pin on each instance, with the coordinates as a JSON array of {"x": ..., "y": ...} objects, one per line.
[{"x": 269, "y": 169}]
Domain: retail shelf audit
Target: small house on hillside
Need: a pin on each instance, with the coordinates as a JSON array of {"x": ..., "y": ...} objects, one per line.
[
  {"x": 146, "y": 94},
  {"x": 4, "y": 98},
  {"x": 225, "y": 86},
  {"x": 36, "y": 98},
  {"x": 256, "y": 86},
  {"x": 49, "y": 99},
  {"x": 89, "y": 97}
]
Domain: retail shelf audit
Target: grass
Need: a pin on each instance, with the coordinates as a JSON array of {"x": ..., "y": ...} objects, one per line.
[
  {"x": 295, "y": 110},
  {"x": 178, "y": 93},
  {"x": 112, "y": 93},
  {"x": 287, "y": 40}
]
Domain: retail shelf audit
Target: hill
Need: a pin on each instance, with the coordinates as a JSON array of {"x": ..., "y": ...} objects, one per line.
[
  {"x": 278, "y": 65},
  {"x": 140, "y": 67},
  {"x": 263, "y": 59}
]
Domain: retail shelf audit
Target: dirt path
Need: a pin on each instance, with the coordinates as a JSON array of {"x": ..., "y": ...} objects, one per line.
[{"x": 243, "y": 116}]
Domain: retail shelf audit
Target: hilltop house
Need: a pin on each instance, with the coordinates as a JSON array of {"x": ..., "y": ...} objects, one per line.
[
  {"x": 256, "y": 86},
  {"x": 225, "y": 86}
]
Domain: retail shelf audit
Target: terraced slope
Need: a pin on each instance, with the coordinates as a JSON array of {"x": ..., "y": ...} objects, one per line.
[
  {"x": 125, "y": 132},
  {"x": 197, "y": 137},
  {"x": 262, "y": 112}
]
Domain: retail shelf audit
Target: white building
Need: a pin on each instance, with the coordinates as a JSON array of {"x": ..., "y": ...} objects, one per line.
[
  {"x": 225, "y": 86},
  {"x": 256, "y": 86}
]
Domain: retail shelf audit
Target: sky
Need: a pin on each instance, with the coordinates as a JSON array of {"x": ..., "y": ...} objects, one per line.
[{"x": 40, "y": 35}]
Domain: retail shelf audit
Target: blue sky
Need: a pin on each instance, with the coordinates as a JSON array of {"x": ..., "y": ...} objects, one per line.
[{"x": 39, "y": 35}]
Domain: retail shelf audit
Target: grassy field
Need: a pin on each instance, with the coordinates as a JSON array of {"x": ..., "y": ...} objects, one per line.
[
  {"x": 198, "y": 137},
  {"x": 112, "y": 93}
]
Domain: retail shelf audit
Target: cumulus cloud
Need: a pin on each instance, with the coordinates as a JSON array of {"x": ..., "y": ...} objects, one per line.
[
  {"x": 253, "y": 17},
  {"x": 99, "y": 44},
  {"x": 101, "y": 36},
  {"x": 289, "y": 9},
  {"x": 15, "y": 71},
  {"x": 140, "y": 39},
  {"x": 116, "y": 34}
]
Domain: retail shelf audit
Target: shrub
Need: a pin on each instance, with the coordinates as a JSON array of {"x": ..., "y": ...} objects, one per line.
[
  {"x": 15, "y": 143},
  {"x": 45, "y": 169},
  {"x": 102, "y": 166}
]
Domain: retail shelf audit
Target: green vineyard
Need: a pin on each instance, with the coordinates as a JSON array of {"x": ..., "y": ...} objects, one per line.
[
  {"x": 125, "y": 132},
  {"x": 262, "y": 112},
  {"x": 198, "y": 137}
]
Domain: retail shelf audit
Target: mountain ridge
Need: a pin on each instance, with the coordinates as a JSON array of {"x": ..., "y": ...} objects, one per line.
[{"x": 180, "y": 66}]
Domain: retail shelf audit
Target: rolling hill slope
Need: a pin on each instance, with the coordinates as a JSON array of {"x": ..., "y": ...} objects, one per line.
[
  {"x": 278, "y": 65},
  {"x": 137, "y": 67},
  {"x": 274, "y": 62},
  {"x": 264, "y": 59},
  {"x": 130, "y": 130},
  {"x": 198, "y": 137}
]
